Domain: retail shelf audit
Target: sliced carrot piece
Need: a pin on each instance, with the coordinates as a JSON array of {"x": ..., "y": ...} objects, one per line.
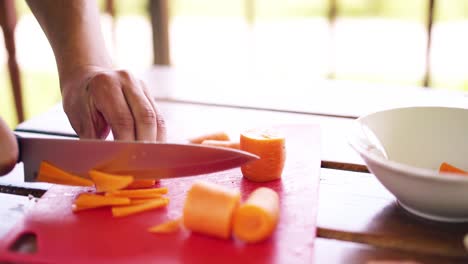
[
  {"x": 139, "y": 193},
  {"x": 106, "y": 182},
  {"x": 89, "y": 201},
  {"x": 446, "y": 167},
  {"x": 214, "y": 136},
  {"x": 121, "y": 211},
  {"x": 221, "y": 143},
  {"x": 208, "y": 209},
  {"x": 141, "y": 201},
  {"x": 270, "y": 147},
  {"x": 168, "y": 227},
  {"x": 141, "y": 183},
  {"x": 256, "y": 219},
  {"x": 53, "y": 174}
]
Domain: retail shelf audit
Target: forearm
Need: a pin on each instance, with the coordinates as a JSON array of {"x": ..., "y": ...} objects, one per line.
[{"x": 73, "y": 30}]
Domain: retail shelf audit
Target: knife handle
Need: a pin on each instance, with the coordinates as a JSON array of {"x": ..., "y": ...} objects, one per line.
[{"x": 18, "y": 137}]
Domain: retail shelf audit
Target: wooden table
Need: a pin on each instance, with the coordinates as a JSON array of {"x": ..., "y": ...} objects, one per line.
[{"x": 358, "y": 219}]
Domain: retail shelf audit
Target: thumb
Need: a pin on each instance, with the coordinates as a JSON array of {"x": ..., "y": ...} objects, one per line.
[{"x": 9, "y": 149}]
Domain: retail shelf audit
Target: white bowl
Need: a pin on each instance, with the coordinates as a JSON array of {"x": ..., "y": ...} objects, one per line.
[{"x": 404, "y": 148}]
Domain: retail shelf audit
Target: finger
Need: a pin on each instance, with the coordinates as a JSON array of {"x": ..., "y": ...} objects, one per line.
[
  {"x": 160, "y": 122},
  {"x": 9, "y": 149},
  {"x": 110, "y": 101},
  {"x": 142, "y": 111}
]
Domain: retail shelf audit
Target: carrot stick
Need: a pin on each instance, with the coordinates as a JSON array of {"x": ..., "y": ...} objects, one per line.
[
  {"x": 270, "y": 147},
  {"x": 256, "y": 219},
  {"x": 141, "y": 183},
  {"x": 106, "y": 182},
  {"x": 145, "y": 200},
  {"x": 53, "y": 174},
  {"x": 221, "y": 143},
  {"x": 446, "y": 167},
  {"x": 139, "y": 193},
  {"x": 209, "y": 208},
  {"x": 121, "y": 211},
  {"x": 214, "y": 136},
  {"x": 167, "y": 227},
  {"x": 89, "y": 201}
]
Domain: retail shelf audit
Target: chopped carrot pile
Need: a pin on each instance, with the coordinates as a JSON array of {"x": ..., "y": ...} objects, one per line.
[
  {"x": 256, "y": 219},
  {"x": 211, "y": 136},
  {"x": 53, "y": 174},
  {"x": 221, "y": 143},
  {"x": 106, "y": 182},
  {"x": 270, "y": 147},
  {"x": 168, "y": 227},
  {"x": 446, "y": 167},
  {"x": 120, "y": 211},
  {"x": 209, "y": 208},
  {"x": 139, "y": 193},
  {"x": 141, "y": 183},
  {"x": 89, "y": 201}
]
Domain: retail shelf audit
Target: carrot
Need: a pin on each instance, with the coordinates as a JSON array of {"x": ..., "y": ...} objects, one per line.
[
  {"x": 208, "y": 209},
  {"x": 270, "y": 147},
  {"x": 106, "y": 182},
  {"x": 256, "y": 219},
  {"x": 167, "y": 227},
  {"x": 89, "y": 201},
  {"x": 221, "y": 143},
  {"x": 139, "y": 193},
  {"x": 145, "y": 200},
  {"x": 53, "y": 174},
  {"x": 214, "y": 136},
  {"x": 121, "y": 211},
  {"x": 141, "y": 183},
  {"x": 446, "y": 167}
]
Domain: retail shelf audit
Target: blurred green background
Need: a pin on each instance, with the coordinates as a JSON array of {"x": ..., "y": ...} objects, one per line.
[{"x": 41, "y": 89}]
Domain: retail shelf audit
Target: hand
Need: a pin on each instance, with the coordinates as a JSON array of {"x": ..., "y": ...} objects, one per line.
[
  {"x": 97, "y": 100},
  {"x": 8, "y": 149}
]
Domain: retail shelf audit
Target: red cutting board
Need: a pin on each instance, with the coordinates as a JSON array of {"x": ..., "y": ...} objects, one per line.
[{"x": 94, "y": 236}]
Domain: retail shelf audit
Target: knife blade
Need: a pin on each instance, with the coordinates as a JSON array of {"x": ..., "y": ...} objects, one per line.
[{"x": 139, "y": 159}]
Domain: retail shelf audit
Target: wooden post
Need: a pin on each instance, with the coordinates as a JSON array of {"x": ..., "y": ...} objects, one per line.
[
  {"x": 430, "y": 20},
  {"x": 159, "y": 12},
  {"x": 332, "y": 13},
  {"x": 8, "y": 24}
]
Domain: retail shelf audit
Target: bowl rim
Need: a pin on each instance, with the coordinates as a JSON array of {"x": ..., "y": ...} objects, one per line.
[{"x": 409, "y": 170}]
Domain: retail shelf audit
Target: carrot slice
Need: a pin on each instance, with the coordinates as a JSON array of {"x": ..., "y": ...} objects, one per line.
[
  {"x": 89, "y": 201},
  {"x": 446, "y": 167},
  {"x": 256, "y": 219},
  {"x": 168, "y": 227},
  {"x": 106, "y": 182},
  {"x": 209, "y": 208},
  {"x": 221, "y": 143},
  {"x": 270, "y": 147},
  {"x": 145, "y": 200},
  {"x": 214, "y": 136},
  {"x": 53, "y": 174},
  {"x": 141, "y": 183},
  {"x": 139, "y": 193},
  {"x": 121, "y": 211}
]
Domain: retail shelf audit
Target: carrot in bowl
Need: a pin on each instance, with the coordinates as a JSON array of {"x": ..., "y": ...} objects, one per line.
[
  {"x": 211, "y": 136},
  {"x": 270, "y": 147},
  {"x": 446, "y": 167},
  {"x": 256, "y": 219},
  {"x": 209, "y": 208}
]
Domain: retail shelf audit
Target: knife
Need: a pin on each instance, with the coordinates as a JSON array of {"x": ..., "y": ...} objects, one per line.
[{"x": 139, "y": 159}]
